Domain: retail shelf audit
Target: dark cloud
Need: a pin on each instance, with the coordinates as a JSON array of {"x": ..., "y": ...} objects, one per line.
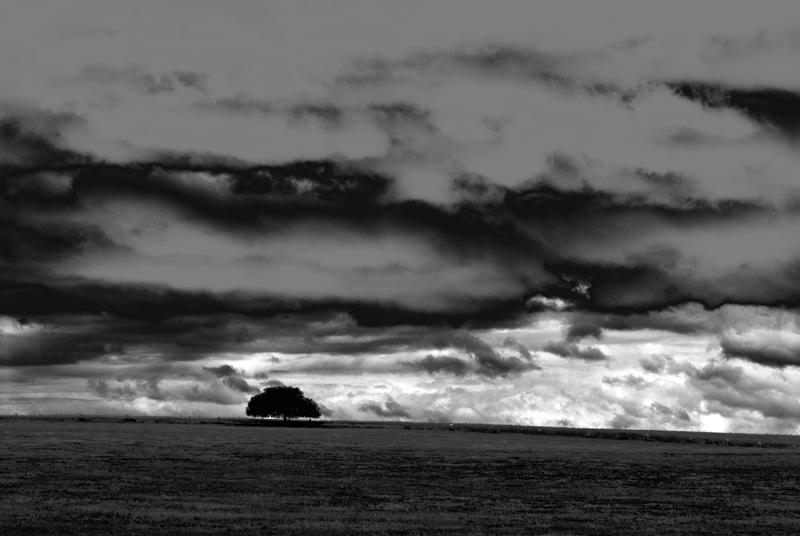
[
  {"x": 61, "y": 339},
  {"x": 721, "y": 374},
  {"x": 249, "y": 209},
  {"x": 235, "y": 383},
  {"x": 383, "y": 201},
  {"x": 573, "y": 351},
  {"x": 71, "y": 339},
  {"x": 623, "y": 421},
  {"x": 483, "y": 359},
  {"x": 503, "y": 230},
  {"x": 222, "y": 370},
  {"x": 582, "y": 328},
  {"x": 471, "y": 313},
  {"x": 489, "y": 362},
  {"x": 40, "y": 189},
  {"x": 511, "y": 342},
  {"x": 52, "y": 348},
  {"x": 323, "y": 180},
  {"x": 554, "y": 237},
  {"x": 684, "y": 320},
  {"x": 232, "y": 378},
  {"x": 771, "y": 349},
  {"x": 447, "y": 364},
  {"x": 772, "y": 107},
  {"x": 390, "y": 408},
  {"x": 34, "y": 138},
  {"x": 139, "y": 302},
  {"x": 729, "y": 388},
  {"x": 655, "y": 277}
]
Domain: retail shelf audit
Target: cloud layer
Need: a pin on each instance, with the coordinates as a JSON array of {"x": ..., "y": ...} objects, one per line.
[{"x": 406, "y": 190}]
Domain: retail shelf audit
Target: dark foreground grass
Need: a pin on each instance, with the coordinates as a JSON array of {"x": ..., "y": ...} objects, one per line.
[{"x": 148, "y": 477}]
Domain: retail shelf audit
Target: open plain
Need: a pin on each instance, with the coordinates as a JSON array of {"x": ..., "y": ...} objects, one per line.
[{"x": 151, "y": 476}]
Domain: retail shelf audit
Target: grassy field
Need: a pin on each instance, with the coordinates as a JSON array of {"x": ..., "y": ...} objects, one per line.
[{"x": 189, "y": 476}]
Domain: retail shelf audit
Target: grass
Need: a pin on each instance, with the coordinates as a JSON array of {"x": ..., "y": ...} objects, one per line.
[{"x": 210, "y": 476}]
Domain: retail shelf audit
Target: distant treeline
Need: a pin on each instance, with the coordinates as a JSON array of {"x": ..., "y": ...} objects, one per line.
[
  {"x": 697, "y": 438},
  {"x": 663, "y": 436}
]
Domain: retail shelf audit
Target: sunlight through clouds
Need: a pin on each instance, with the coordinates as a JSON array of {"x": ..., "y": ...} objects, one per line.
[{"x": 536, "y": 213}]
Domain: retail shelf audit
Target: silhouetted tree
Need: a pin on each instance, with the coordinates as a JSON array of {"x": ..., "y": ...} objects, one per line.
[{"x": 282, "y": 401}]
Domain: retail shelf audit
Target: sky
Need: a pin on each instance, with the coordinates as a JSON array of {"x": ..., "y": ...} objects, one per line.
[{"x": 555, "y": 213}]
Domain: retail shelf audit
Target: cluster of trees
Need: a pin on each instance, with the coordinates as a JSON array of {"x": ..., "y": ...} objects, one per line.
[{"x": 282, "y": 401}]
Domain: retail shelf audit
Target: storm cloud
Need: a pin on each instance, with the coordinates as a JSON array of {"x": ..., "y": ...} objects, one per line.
[
  {"x": 573, "y": 351},
  {"x": 769, "y": 348},
  {"x": 504, "y": 197}
]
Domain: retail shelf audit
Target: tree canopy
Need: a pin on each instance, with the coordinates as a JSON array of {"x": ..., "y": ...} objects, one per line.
[{"x": 282, "y": 401}]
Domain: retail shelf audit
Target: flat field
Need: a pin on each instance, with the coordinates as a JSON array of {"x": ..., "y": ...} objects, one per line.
[{"x": 106, "y": 476}]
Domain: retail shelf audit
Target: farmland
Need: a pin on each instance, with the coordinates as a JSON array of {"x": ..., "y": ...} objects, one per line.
[{"x": 191, "y": 476}]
